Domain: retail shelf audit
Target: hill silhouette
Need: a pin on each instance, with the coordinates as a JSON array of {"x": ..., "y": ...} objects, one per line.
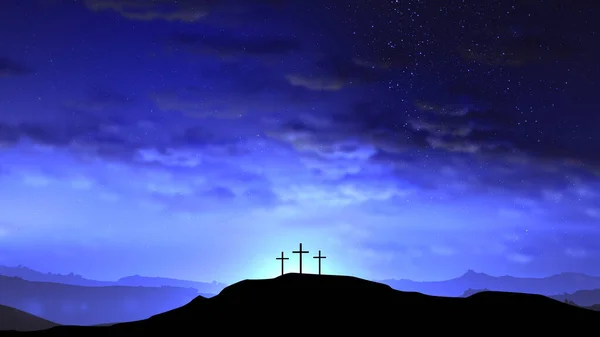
[
  {"x": 131, "y": 281},
  {"x": 78, "y": 305},
  {"x": 582, "y": 297},
  {"x": 323, "y": 304},
  {"x": 549, "y": 286},
  {"x": 15, "y": 319}
]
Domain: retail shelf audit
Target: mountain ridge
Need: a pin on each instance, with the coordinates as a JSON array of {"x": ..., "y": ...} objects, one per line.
[
  {"x": 81, "y": 305},
  {"x": 549, "y": 285},
  {"x": 342, "y": 304},
  {"x": 565, "y": 282},
  {"x": 133, "y": 280}
]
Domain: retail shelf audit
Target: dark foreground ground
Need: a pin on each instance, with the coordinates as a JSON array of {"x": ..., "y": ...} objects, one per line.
[
  {"x": 14, "y": 319},
  {"x": 337, "y": 305}
]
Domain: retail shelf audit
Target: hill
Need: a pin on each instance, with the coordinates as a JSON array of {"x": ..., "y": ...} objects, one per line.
[
  {"x": 36, "y": 276},
  {"x": 319, "y": 304},
  {"x": 549, "y": 286},
  {"x": 145, "y": 281},
  {"x": 130, "y": 281},
  {"x": 14, "y": 319},
  {"x": 584, "y": 298},
  {"x": 69, "y": 304}
]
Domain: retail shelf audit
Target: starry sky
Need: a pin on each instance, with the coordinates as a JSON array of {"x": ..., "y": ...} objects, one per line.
[{"x": 197, "y": 139}]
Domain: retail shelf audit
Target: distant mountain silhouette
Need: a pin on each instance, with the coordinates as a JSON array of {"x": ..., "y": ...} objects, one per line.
[
  {"x": 470, "y": 292},
  {"x": 210, "y": 289},
  {"x": 14, "y": 319},
  {"x": 69, "y": 304},
  {"x": 595, "y": 307},
  {"x": 339, "y": 305},
  {"x": 584, "y": 298},
  {"x": 143, "y": 281},
  {"x": 552, "y": 285},
  {"x": 34, "y": 275}
]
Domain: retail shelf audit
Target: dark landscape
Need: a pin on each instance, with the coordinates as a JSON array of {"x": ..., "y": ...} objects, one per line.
[
  {"x": 15, "y": 319},
  {"x": 549, "y": 286},
  {"x": 68, "y": 304},
  {"x": 205, "y": 288},
  {"x": 322, "y": 304},
  {"x": 103, "y": 302},
  {"x": 299, "y": 167}
]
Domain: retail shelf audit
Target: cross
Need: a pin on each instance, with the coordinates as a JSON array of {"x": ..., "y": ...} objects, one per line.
[
  {"x": 319, "y": 257},
  {"x": 300, "y": 252},
  {"x": 282, "y": 260}
]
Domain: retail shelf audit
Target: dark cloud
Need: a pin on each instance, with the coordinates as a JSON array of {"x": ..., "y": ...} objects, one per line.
[
  {"x": 8, "y": 135},
  {"x": 187, "y": 11},
  {"x": 261, "y": 196},
  {"x": 336, "y": 73},
  {"x": 461, "y": 148},
  {"x": 220, "y": 193},
  {"x": 11, "y": 68},
  {"x": 228, "y": 46},
  {"x": 102, "y": 140},
  {"x": 99, "y": 101},
  {"x": 146, "y": 10}
]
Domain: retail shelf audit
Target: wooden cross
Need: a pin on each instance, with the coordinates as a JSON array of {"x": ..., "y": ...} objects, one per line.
[
  {"x": 300, "y": 252},
  {"x": 319, "y": 257},
  {"x": 282, "y": 260}
]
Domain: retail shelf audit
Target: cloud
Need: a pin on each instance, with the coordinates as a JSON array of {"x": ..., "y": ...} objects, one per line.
[
  {"x": 87, "y": 138},
  {"x": 11, "y": 68},
  {"x": 481, "y": 148},
  {"x": 81, "y": 183},
  {"x": 520, "y": 258},
  {"x": 576, "y": 252},
  {"x": 99, "y": 102},
  {"x": 593, "y": 212},
  {"x": 341, "y": 193},
  {"x": 443, "y": 250},
  {"x": 109, "y": 196},
  {"x": 199, "y": 106},
  {"x": 324, "y": 84},
  {"x": 229, "y": 47},
  {"x": 146, "y": 10},
  {"x": 335, "y": 73},
  {"x": 36, "y": 179}
]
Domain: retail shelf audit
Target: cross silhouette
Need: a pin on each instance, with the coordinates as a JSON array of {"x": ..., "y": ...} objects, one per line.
[
  {"x": 282, "y": 260},
  {"x": 300, "y": 252},
  {"x": 319, "y": 257}
]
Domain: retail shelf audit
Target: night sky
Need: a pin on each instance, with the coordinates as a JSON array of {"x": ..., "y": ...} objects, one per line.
[{"x": 198, "y": 139}]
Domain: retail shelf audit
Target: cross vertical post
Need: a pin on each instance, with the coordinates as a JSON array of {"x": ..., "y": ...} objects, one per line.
[
  {"x": 300, "y": 252},
  {"x": 282, "y": 260},
  {"x": 319, "y": 257}
]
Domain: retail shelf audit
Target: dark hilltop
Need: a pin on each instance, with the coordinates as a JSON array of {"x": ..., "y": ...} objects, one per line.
[
  {"x": 324, "y": 304},
  {"x": 15, "y": 319}
]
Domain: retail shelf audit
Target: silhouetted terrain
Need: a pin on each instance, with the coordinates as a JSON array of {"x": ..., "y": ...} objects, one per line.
[
  {"x": 337, "y": 305},
  {"x": 143, "y": 281},
  {"x": 549, "y": 286},
  {"x": 470, "y": 292},
  {"x": 69, "y": 304},
  {"x": 14, "y": 319},
  {"x": 582, "y": 297},
  {"x": 134, "y": 281},
  {"x": 595, "y": 307},
  {"x": 34, "y": 275}
]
